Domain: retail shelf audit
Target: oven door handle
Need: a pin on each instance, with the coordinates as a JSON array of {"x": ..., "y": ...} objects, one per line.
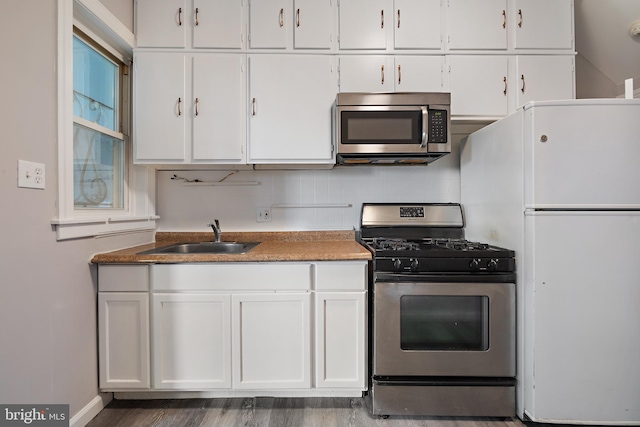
[{"x": 425, "y": 124}]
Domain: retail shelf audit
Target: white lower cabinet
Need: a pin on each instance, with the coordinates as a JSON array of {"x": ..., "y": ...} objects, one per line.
[
  {"x": 228, "y": 328},
  {"x": 191, "y": 341},
  {"x": 340, "y": 352},
  {"x": 123, "y": 327},
  {"x": 271, "y": 341}
]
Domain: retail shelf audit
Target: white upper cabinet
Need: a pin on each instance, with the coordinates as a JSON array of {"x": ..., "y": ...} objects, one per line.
[
  {"x": 282, "y": 24},
  {"x": 479, "y": 85},
  {"x": 313, "y": 24},
  {"x": 160, "y": 107},
  {"x": 171, "y": 23},
  {"x": 218, "y": 108},
  {"x": 363, "y": 24},
  {"x": 290, "y": 98},
  {"x": 417, "y": 24},
  {"x": 217, "y": 24},
  {"x": 385, "y": 73},
  {"x": 269, "y": 23},
  {"x": 161, "y": 23},
  {"x": 543, "y": 77},
  {"x": 477, "y": 25},
  {"x": 543, "y": 24}
]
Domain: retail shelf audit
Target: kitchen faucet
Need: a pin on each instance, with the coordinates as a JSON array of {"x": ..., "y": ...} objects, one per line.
[{"x": 215, "y": 226}]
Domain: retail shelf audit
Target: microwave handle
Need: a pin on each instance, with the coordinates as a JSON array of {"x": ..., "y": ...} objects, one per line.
[{"x": 425, "y": 125}]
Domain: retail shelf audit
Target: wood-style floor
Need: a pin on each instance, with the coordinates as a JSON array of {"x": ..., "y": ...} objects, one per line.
[{"x": 267, "y": 411}]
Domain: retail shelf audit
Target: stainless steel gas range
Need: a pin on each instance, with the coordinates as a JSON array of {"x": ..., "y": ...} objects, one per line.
[{"x": 442, "y": 314}]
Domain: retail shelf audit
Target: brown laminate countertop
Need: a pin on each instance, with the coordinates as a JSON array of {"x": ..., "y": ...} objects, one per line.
[{"x": 274, "y": 246}]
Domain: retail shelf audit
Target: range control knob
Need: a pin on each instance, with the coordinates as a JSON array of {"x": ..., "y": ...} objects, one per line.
[
  {"x": 474, "y": 264},
  {"x": 492, "y": 265},
  {"x": 414, "y": 265},
  {"x": 397, "y": 264}
]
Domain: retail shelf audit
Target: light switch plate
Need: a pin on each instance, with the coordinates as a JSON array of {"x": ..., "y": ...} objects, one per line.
[{"x": 30, "y": 175}]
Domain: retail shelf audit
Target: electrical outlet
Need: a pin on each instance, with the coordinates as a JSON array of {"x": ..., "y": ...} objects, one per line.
[
  {"x": 30, "y": 174},
  {"x": 263, "y": 215}
]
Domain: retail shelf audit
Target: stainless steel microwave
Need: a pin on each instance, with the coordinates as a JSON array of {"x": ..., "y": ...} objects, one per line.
[{"x": 392, "y": 128}]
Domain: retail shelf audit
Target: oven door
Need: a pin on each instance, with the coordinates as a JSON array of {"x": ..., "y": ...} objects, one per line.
[{"x": 444, "y": 329}]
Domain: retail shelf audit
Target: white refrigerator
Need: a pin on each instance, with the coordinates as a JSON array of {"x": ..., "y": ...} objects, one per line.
[{"x": 559, "y": 183}]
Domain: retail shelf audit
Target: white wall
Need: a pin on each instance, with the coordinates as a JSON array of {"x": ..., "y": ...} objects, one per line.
[
  {"x": 184, "y": 207},
  {"x": 48, "y": 340}
]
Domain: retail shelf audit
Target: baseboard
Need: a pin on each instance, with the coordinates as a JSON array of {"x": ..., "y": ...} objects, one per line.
[{"x": 86, "y": 414}]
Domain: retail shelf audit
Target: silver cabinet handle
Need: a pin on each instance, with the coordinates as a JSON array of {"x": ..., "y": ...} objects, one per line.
[
  {"x": 398, "y": 18},
  {"x": 180, "y": 16},
  {"x": 197, "y": 11},
  {"x": 298, "y": 18},
  {"x": 504, "y": 80},
  {"x": 399, "y": 75},
  {"x": 197, "y": 106},
  {"x": 382, "y": 18},
  {"x": 253, "y": 107},
  {"x": 281, "y": 17},
  {"x": 520, "y": 20},
  {"x": 382, "y": 74},
  {"x": 179, "y": 106},
  {"x": 522, "y": 78},
  {"x": 425, "y": 126}
]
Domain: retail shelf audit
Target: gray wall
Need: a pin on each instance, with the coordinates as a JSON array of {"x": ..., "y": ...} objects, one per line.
[{"x": 48, "y": 347}]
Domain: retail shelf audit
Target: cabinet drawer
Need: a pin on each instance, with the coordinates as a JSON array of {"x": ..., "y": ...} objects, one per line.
[
  {"x": 345, "y": 275},
  {"x": 231, "y": 277},
  {"x": 123, "y": 278}
]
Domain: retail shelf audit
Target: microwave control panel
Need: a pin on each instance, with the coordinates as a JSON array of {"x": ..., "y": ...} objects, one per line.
[{"x": 437, "y": 126}]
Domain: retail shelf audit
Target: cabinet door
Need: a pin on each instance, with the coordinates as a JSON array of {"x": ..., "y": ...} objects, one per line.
[
  {"x": 290, "y": 108},
  {"x": 269, "y": 22},
  {"x": 340, "y": 319},
  {"x": 218, "y": 110},
  {"x": 161, "y": 23},
  {"x": 271, "y": 341},
  {"x": 191, "y": 341},
  {"x": 419, "y": 73},
  {"x": 542, "y": 78},
  {"x": 217, "y": 24},
  {"x": 477, "y": 24},
  {"x": 363, "y": 24},
  {"x": 312, "y": 24},
  {"x": 123, "y": 331},
  {"x": 159, "y": 106},
  {"x": 543, "y": 24},
  {"x": 417, "y": 24},
  {"x": 366, "y": 73},
  {"x": 479, "y": 85}
]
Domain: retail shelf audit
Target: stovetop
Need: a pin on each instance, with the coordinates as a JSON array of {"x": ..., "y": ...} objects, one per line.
[{"x": 427, "y": 238}]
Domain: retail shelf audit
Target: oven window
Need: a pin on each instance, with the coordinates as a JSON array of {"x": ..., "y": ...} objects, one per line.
[
  {"x": 381, "y": 127},
  {"x": 448, "y": 323}
]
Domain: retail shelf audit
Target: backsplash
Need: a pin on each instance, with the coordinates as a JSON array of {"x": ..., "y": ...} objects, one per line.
[{"x": 300, "y": 199}]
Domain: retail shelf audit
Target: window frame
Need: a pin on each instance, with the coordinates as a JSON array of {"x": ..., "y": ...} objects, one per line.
[{"x": 98, "y": 24}]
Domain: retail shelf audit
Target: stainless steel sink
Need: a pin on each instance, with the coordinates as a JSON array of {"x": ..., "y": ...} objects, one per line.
[{"x": 204, "y": 248}]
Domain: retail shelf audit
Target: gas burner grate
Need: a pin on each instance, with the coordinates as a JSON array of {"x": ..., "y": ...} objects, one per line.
[
  {"x": 458, "y": 244},
  {"x": 388, "y": 244}
]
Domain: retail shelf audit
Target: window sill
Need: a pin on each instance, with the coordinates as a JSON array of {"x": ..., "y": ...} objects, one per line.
[{"x": 96, "y": 227}]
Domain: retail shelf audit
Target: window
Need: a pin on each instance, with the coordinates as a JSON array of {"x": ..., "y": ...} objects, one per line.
[
  {"x": 100, "y": 191},
  {"x": 98, "y": 142}
]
